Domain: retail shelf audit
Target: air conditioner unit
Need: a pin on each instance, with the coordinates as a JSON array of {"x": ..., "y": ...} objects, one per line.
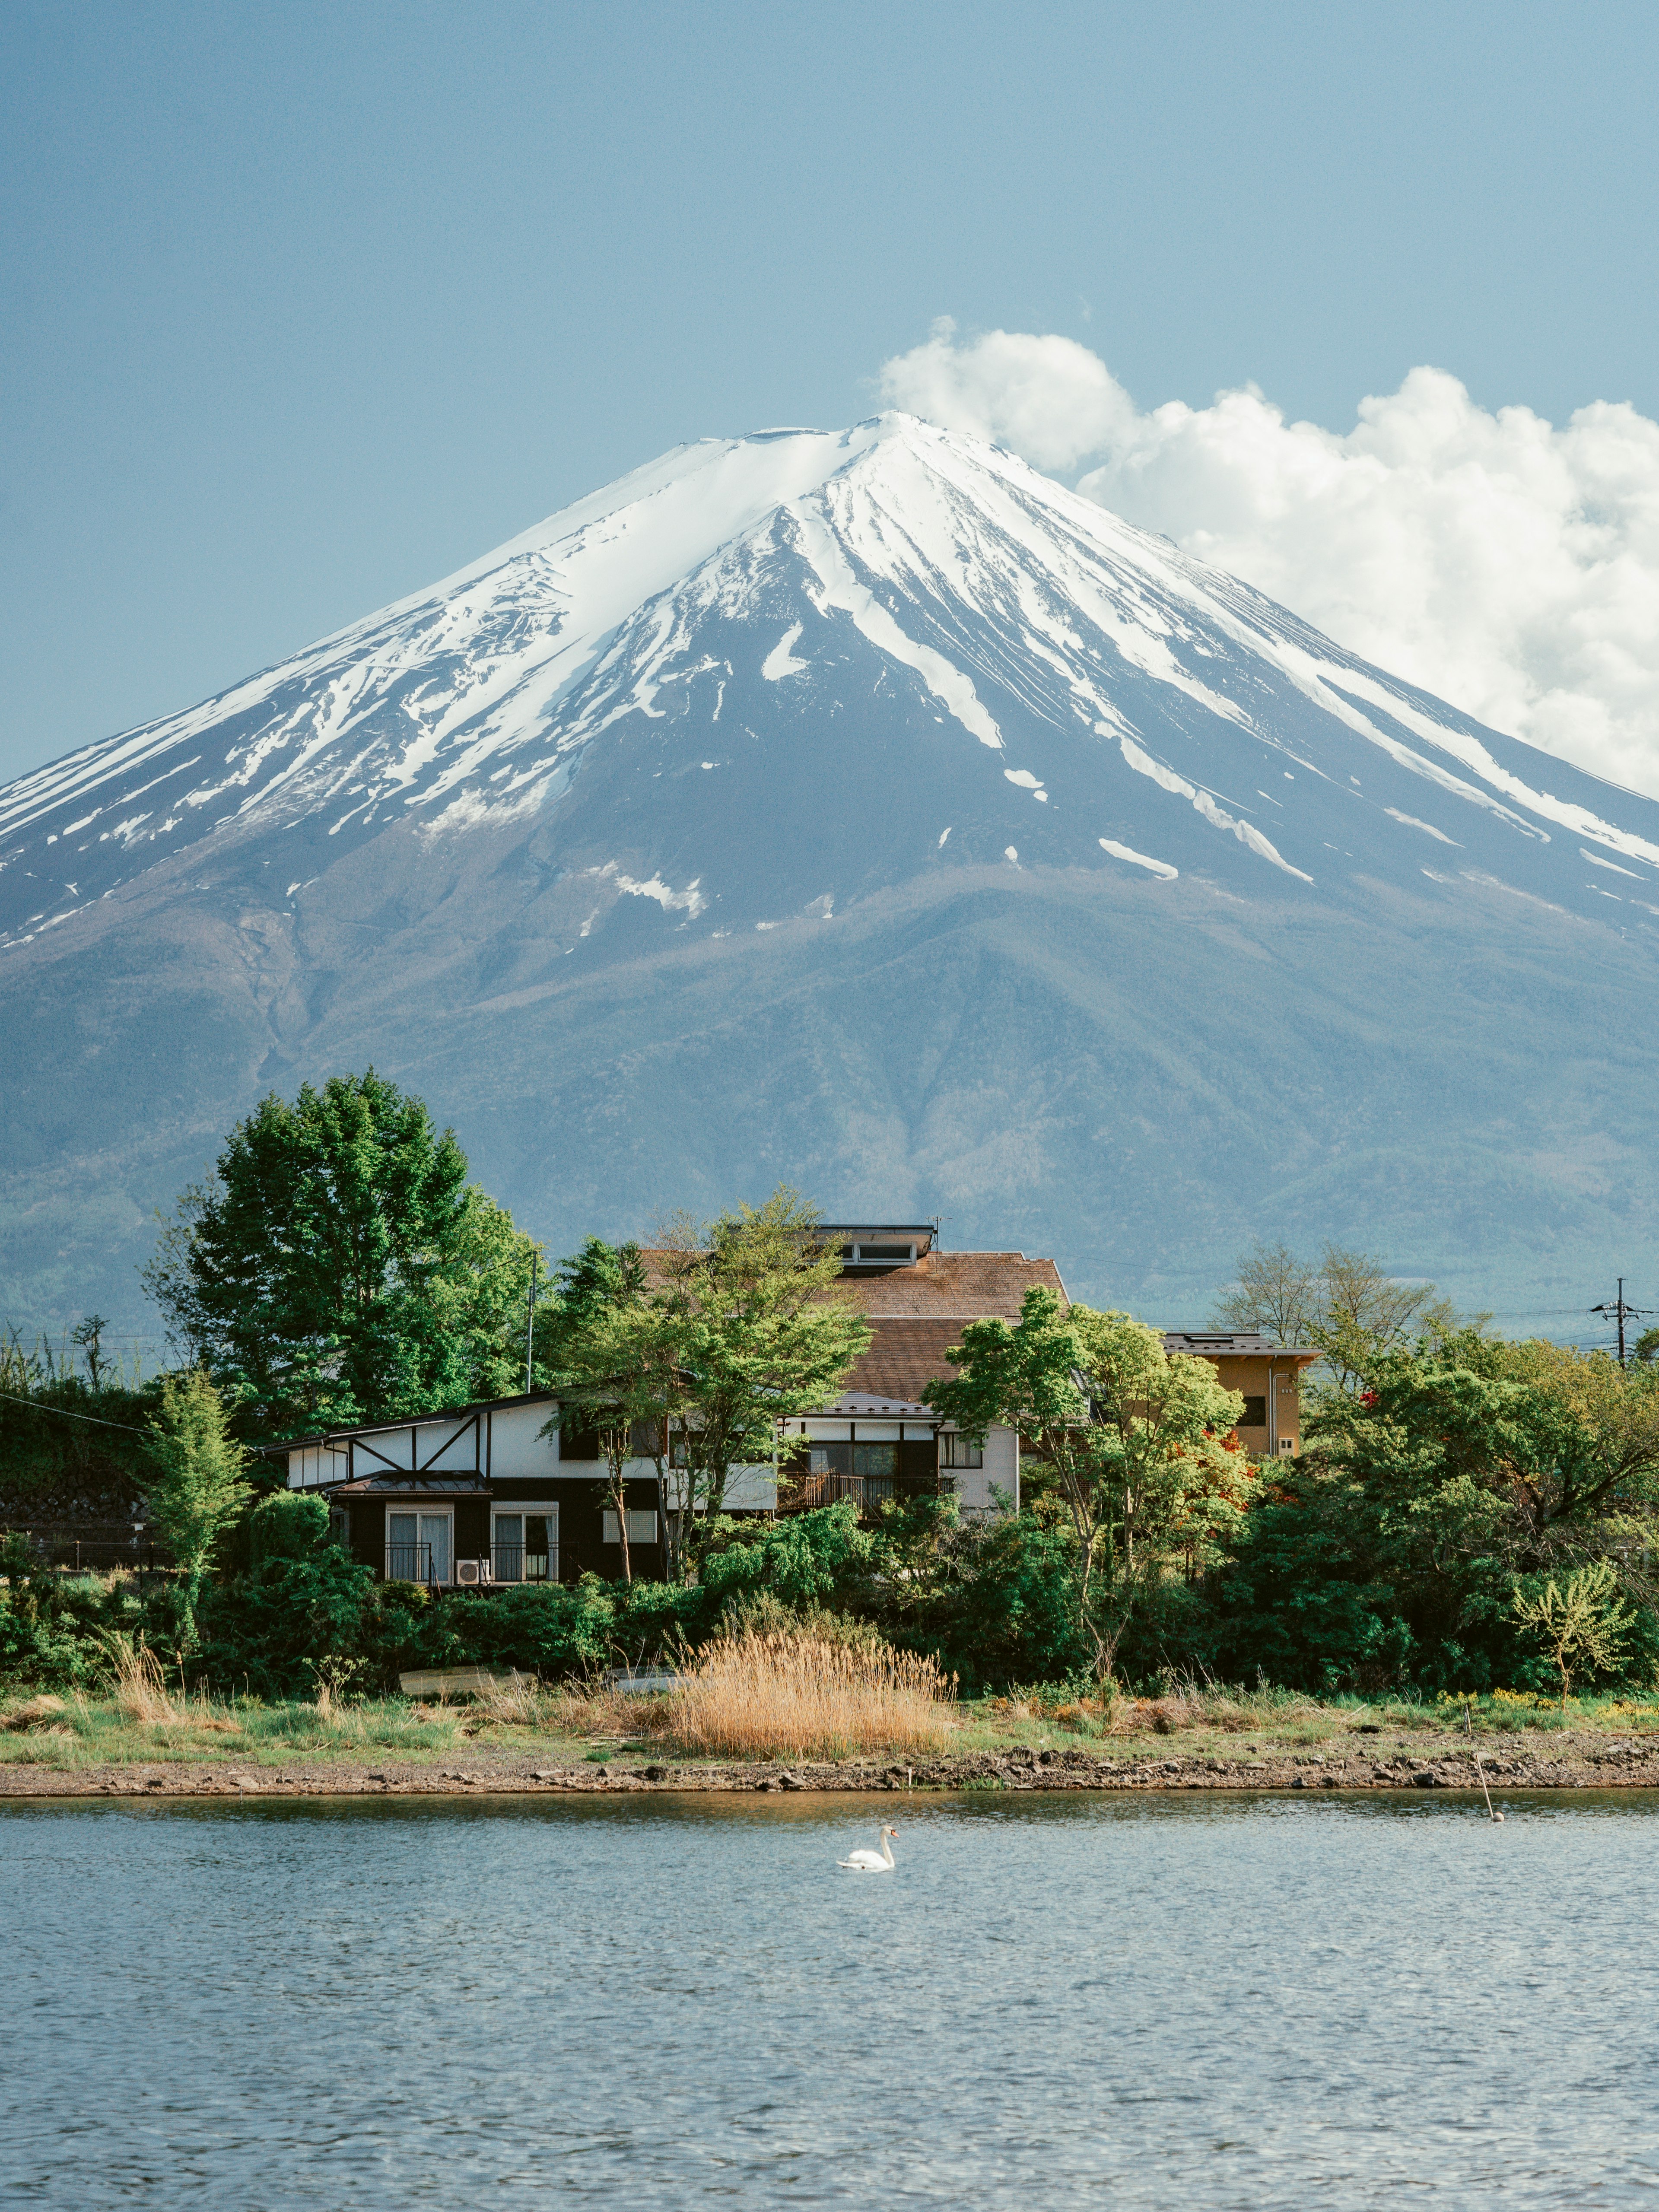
[
  {"x": 466, "y": 1571},
  {"x": 1287, "y": 1448}
]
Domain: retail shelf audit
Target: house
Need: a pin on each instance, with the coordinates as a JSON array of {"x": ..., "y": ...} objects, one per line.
[
  {"x": 879, "y": 1440},
  {"x": 476, "y": 1495},
  {"x": 1268, "y": 1376}
]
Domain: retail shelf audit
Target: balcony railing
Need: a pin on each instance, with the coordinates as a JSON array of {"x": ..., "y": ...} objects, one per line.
[
  {"x": 804, "y": 1494},
  {"x": 409, "y": 1563},
  {"x": 511, "y": 1563}
]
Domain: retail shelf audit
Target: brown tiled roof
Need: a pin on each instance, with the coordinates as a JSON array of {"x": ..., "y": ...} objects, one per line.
[
  {"x": 903, "y": 1358},
  {"x": 963, "y": 1285},
  {"x": 918, "y": 1313}
]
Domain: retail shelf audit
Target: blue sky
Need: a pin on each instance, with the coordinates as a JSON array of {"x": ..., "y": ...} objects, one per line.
[{"x": 301, "y": 306}]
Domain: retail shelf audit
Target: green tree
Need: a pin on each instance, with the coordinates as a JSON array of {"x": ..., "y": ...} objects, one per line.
[
  {"x": 1580, "y": 1623},
  {"x": 612, "y": 1359},
  {"x": 762, "y": 1332},
  {"x": 198, "y": 1480},
  {"x": 1137, "y": 1445},
  {"x": 88, "y": 1337},
  {"x": 340, "y": 1267},
  {"x": 1457, "y": 1468}
]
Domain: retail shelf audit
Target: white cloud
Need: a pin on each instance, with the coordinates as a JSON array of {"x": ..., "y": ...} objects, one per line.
[
  {"x": 1506, "y": 565},
  {"x": 1049, "y": 398}
]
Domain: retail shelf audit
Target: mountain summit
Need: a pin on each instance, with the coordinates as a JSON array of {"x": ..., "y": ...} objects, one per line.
[{"x": 865, "y": 809}]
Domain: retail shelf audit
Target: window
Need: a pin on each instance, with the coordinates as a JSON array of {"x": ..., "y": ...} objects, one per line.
[
  {"x": 641, "y": 1527},
  {"x": 873, "y": 1466},
  {"x": 339, "y": 1526},
  {"x": 1255, "y": 1415},
  {"x": 955, "y": 1451},
  {"x": 417, "y": 1547},
  {"x": 524, "y": 1545},
  {"x": 579, "y": 1443}
]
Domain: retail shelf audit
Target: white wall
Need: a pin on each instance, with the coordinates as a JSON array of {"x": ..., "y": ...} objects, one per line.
[
  {"x": 516, "y": 1452},
  {"x": 752, "y": 1490},
  {"x": 309, "y": 1465},
  {"x": 974, "y": 1484}
]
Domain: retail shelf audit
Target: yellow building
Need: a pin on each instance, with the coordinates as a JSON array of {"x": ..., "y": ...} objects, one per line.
[{"x": 1268, "y": 1376}]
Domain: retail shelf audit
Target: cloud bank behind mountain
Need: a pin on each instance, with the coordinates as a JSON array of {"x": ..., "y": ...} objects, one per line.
[{"x": 1510, "y": 566}]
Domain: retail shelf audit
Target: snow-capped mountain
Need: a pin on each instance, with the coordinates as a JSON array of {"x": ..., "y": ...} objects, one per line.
[
  {"x": 772, "y": 780},
  {"x": 1095, "y": 671}
]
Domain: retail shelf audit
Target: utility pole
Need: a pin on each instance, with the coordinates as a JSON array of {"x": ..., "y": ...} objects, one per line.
[
  {"x": 530, "y": 1327},
  {"x": 1618, "y": 1311}
]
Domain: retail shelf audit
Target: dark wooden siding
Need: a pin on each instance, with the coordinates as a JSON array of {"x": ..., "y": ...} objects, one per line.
[
  {"x": 369, "y": 1532},
  {"x": 919, "y": 1464},
  {"x": 471, "y": 1528}
]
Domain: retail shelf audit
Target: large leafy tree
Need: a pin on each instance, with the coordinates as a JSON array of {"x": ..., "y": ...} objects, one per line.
[
  {"x": 1137, "y": 1445},
  {"x": 1460, "y": 1470},
  {"x": 762, "y": 1332},
  {"x": 340, "y": 1267},
  {"x": 691, "y": 1356},
  {"x": 613, "y": 1360}
]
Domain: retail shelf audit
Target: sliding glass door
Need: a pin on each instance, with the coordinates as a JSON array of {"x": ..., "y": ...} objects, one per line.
[
  {"x": 525, "y": 1544},
  {"x": 417, "y": 1547}
]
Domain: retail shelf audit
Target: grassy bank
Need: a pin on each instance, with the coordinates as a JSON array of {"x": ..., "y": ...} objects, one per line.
[{"x": 523, "y": 1725}]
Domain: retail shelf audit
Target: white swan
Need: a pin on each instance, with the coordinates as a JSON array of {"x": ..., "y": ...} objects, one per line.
[{"x": 880, "y": 1861}]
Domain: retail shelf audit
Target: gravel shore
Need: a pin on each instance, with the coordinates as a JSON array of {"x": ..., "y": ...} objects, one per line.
[{"x": 1588, "y": 1763}]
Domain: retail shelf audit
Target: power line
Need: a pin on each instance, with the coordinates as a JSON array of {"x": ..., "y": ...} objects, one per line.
[
  {"x": 1622, "y": 1313},
  {"x": 35, "y": 1407}
]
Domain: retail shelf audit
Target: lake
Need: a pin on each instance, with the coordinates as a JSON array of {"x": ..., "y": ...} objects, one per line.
[{"x": 1166, "y": 2002}]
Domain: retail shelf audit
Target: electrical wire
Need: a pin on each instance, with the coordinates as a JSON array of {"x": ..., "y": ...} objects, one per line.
[{"x": 36, "y": 1406}]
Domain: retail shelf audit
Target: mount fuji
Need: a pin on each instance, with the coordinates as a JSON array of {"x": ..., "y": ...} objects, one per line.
[{"x": 864, "y": 810}]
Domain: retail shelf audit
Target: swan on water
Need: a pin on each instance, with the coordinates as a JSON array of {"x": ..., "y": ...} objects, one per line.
[{"x": 880, "y": 1861}]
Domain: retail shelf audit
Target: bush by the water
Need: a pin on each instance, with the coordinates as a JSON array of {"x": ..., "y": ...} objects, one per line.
[{"x": 790, "y": 1693}]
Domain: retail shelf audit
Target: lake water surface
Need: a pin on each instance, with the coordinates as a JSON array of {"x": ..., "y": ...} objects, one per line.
[{"x": 1165, "y": 2001}]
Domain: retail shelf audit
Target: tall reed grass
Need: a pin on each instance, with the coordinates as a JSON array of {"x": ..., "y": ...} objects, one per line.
[
  {"x": 788, "y": 1693},
  {"x": 141, "y": 1690}
]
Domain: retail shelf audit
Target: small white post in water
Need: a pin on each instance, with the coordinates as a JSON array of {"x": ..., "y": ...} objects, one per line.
[{"x": 1468, "y": 1723}]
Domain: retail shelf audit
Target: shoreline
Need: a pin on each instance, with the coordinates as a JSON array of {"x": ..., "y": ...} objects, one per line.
[{"x": 1614, "y": 1765}]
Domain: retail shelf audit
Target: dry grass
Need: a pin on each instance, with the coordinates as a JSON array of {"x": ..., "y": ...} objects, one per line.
[
  {"x": 142, "y": 1696},
  {"x": 141, "y": 1690},
  {"x": 34, "y": 1712},
  {"x": 518, "y": 1699},
  {"x": 783, "y": 1693}
]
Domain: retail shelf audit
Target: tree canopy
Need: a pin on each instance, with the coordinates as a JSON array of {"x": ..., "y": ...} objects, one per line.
[
  {"x": 1138, "y": 1446},
  {"x": 1344, "y": 1304},
  {"x": 1459, "y": 1471},
  {"x": 339, "y": 1266},
  {"x": 693, "y": 1355}
]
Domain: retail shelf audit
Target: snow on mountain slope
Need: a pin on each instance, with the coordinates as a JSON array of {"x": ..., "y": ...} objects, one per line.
[
  {"x": 864, "y": 810},
  {"x": 1098, "y": 672}
]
